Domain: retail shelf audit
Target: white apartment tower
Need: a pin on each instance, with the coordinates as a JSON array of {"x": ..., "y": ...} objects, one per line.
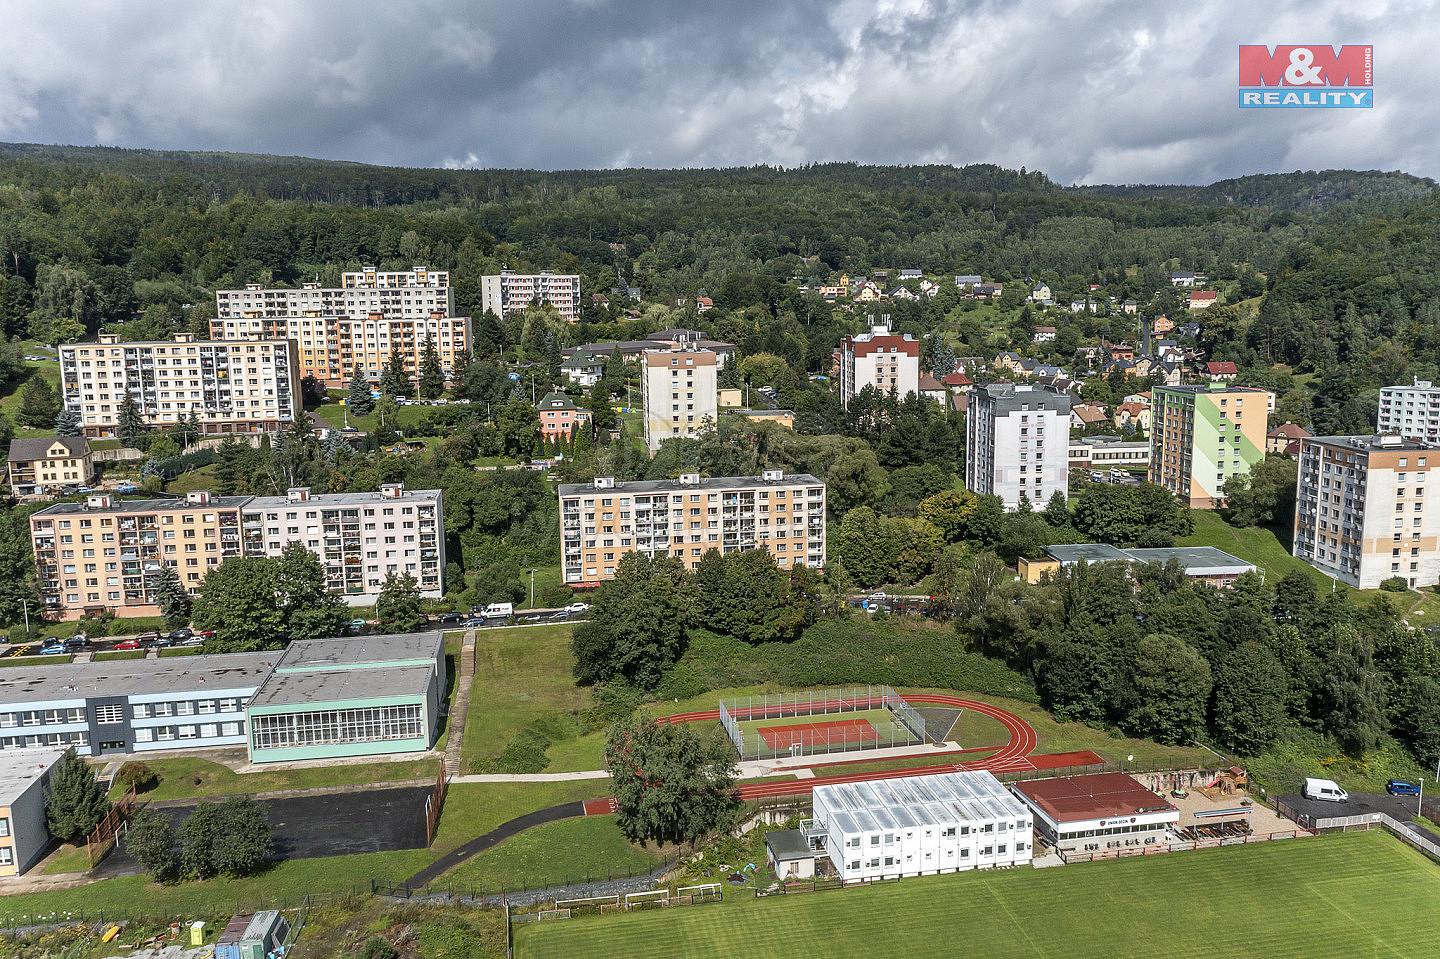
[
  {"x": 232, "y": 387},
  {"x": 1017, "y": 443},
  {"x": 1411, "y": 411},
  {"x": 603, "y": 520},
  {"x": 359, "y": 537},
  {"x": 680, "y": 393},
  {"x": 1363, "y": 513},
  {"x": 356, "y": 325},
  {"x": 511, "y": 292},
  {"x": 889, "y": 363}
]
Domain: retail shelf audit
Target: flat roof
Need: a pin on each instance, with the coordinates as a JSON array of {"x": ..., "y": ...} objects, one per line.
[
  {"x": 787, "y": 845},
  {"x": 19, "y": 768},
  {"x": 710, "y": 483},
  {"x": 118, "y": 505},
  {"x": 345, "y": 499},
  {"x": 352, "y": 667},
  {"x": 1374, "y": 443},
  {"x": 134, "y": 677},
  {"x": 349, "y": 652},
  {"x": 1083, "y": 798},
  {"x": 968, "y": 796},
  {"x": 1194, "y": 558},
  {"x": 333, "y": 685},
  {"x": 1089, "y": 552}
]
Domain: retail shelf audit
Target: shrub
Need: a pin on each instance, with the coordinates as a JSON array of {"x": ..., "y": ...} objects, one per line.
[
  {"x": 138, "y": 775},
  {"x": 377, "y": 948},
  {"x": 1395, "y": 584}
]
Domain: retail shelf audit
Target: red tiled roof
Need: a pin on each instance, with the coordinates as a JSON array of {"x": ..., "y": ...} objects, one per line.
[
  {"x": 956, "y": 379},
  {"x": 1290, "y": 431},
  {"x": 1221, "y": 369}
]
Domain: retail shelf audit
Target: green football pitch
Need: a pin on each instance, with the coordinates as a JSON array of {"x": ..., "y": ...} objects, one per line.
[{"x": 1346, "y": 895}]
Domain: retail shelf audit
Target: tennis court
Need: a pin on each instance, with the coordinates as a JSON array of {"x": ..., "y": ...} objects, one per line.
[{"x": 825, "y": 734}]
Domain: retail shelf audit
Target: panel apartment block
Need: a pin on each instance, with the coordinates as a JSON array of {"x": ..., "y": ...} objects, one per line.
[
  {"x": 1017, "y": 443},
  {"x": 105, "y": 554},
  {"x": 232, "y": 387},
  {"x": 680, "y": 393},
  {"x": 356, "y": 326},
  {"x": 1362, "y": 509},
  {"x": 1200, "y": 436},
  {"x": 604, "y": 520},
  {"x": 511, "y": 292},
  {"x": 889, "y": 363},
  {"x": 1410, "y": 411},
  {"x": 359, "y": 537}
]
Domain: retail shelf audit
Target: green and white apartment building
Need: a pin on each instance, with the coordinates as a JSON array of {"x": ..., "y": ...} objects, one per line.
[
  {"x": 317, "y": 699},
  {"x": 1200, "y": 436}
]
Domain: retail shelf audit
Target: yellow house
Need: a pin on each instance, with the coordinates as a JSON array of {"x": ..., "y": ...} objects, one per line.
[{"x": 38, "y": 465}]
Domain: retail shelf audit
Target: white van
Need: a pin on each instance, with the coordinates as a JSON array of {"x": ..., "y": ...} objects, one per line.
[
  {"x": 499, "y": 611},
  {"x": 1324, "y": 789}
]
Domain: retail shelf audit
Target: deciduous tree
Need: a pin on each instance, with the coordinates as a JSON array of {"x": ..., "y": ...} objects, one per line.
[
  {"x": 671, "y": 785},
  {"x": 399, "y": 606}
]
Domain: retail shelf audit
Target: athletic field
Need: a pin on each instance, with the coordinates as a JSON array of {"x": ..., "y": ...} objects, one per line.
[
  {"x": 1347, "y": 896},
  {"x": 834, "y": 732}
]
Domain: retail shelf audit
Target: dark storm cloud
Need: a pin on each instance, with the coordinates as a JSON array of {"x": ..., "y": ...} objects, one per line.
[{"x": 1123, "y": 90}]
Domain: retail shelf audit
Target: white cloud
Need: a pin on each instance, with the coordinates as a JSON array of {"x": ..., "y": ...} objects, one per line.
[{"x": 1114, "y": 90}]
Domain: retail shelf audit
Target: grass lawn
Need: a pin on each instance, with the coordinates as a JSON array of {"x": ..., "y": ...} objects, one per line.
[
  {"x": 558, "y": 853},
  {"x": 1333, "y": 895},
  {"x": 33, "y": 660},
  {"x": 334, "y": 413},
  {"x": 974, "y": 729},
  {"x": 181, "y": 651},
  {"x": 523, "y": 676},
  {"x": 473, "y": 809},
  {"x": 68, "y": 859},
  {"x": 124, "y": 654},
  {"x": 178, "y": 775},
  {"x": 192, "y": 480}
]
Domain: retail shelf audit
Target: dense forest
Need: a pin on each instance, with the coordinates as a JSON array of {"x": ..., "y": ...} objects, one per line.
[{"x": 1329, "y": 289}]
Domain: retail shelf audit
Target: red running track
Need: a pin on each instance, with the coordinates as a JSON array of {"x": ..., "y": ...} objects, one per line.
[{"x": 1013, "y": 756}]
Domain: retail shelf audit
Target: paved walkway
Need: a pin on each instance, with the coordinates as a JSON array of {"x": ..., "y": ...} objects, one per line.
[
  {"x": 461, "y": 707},
  {"x": 531, "y": 777},
  {"x": 494, "y": 837}
]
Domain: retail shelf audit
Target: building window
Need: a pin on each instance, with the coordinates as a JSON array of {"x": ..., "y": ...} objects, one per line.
[
  {"x": 373, "y": 724},
  {"x": 109, "y": 715}
]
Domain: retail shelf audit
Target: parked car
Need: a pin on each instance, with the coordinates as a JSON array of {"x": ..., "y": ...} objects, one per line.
[
  {"x": 498, "y": 611},
  {"x": 473, "y": 622},
  {"x": 1401, "y": 787},
  {"x": 578, "y": 608},
  {"x": 78, "y": 641},
  {"x": 878, "y": 597},
  {"x": 127, "y": 488},
  {"x": 194, "y": 641},
  {"x": 206, "y": 634},
  {"x": 449, "y": 618},
  {"x": 357, "y": 625},
  {"x": 128, "y": 644},
  {"x": 141, "y": 639},
  {"x": 162, "y": 642},
  {"x": 53, "y": 648},
  {"x": 179, "y": 635}
]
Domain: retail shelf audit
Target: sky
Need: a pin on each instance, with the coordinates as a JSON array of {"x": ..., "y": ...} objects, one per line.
[{"x": 1105, "y": 91}]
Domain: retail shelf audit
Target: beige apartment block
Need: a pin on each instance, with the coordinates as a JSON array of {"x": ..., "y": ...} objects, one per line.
[
  {"x": 337, "y": 331},
  {"x": 880, "y": 359},
  {"x": 511, "y": 292},
  {"x": 105, "y": 554},
  {"x": 244, "y": 387},
  {"x": 680, "y": 393},
  {"x": 50, "y": 463},
  {"x": 603, "y": 520},
  {"x": 359, "y": 538},
  {"x": 1363, "y": 513}
]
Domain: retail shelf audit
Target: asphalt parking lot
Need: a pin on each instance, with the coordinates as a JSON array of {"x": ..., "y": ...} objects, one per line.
[
  {"x": 310, "y": 827},
  {"x": 1399, "y": 808}
]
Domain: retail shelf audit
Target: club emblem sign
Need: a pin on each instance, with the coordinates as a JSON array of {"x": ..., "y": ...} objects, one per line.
[{"x": 1312, "y": 76}]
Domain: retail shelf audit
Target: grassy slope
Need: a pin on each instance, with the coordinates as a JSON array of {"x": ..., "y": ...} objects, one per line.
[
  {"x": 1264, "y": 546},
  {"x": 1326, "y": 896},
  {"x": 178, "y": 775},
  {"x": 572, "y": 850}
]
